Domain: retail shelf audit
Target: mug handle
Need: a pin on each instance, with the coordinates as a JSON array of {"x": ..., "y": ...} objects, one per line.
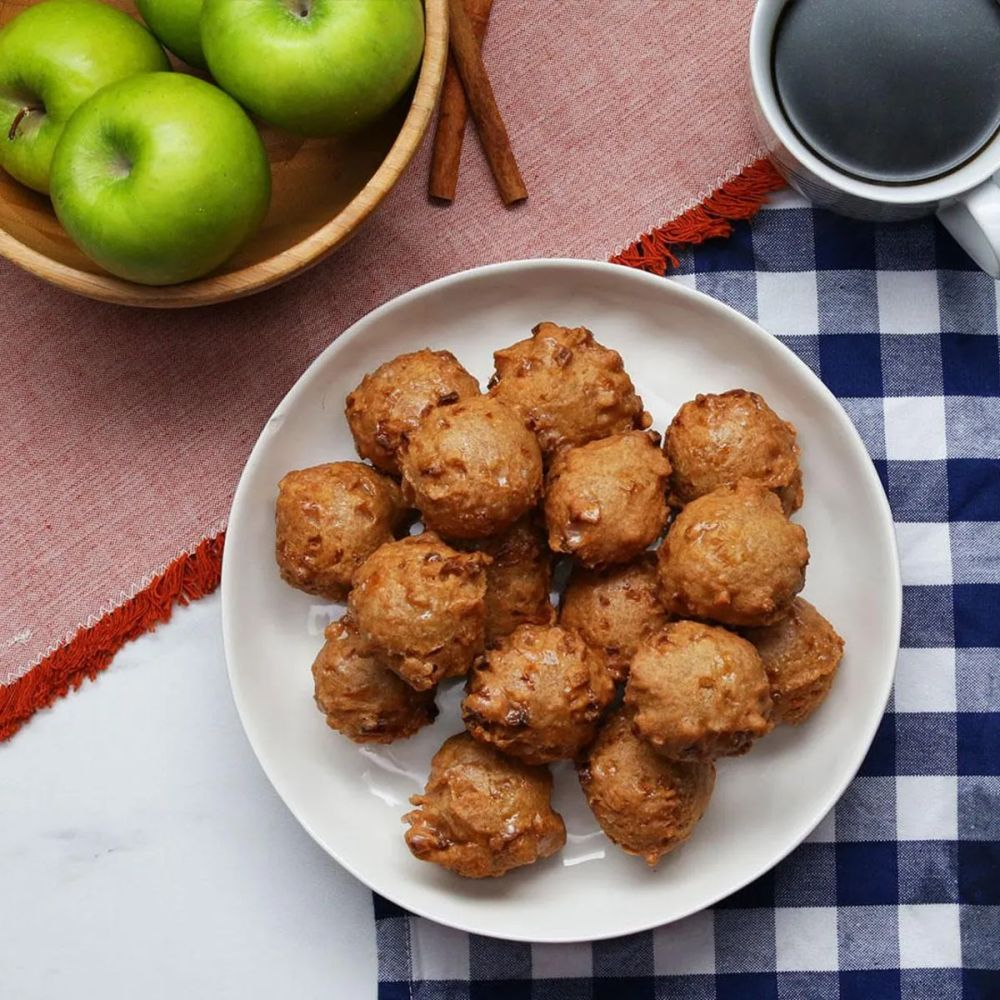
[{"x": 974, "y": 221}]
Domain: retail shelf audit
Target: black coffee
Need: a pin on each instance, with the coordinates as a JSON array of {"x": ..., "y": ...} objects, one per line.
[{"x": 894, "y": 91}]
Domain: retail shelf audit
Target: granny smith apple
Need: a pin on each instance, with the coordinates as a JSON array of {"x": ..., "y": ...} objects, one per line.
[
  {"x": 53, "y": 56},
  {"x": 316, "y": 67},
  {"x": 160, "y": 177},
  {"x": 175, "y": 23}
]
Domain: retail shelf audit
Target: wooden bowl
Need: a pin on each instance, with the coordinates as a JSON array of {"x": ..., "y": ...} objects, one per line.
[{"x": 322, "y": 191}]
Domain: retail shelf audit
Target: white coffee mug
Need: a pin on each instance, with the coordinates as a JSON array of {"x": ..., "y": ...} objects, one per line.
[{"x": 967, "y": 200}]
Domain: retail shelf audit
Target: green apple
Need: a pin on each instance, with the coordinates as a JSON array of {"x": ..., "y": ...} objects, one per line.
[
  {"x": 53, "y": 56},
  {"x": 175, "y": 23},
  {"x": 160, "y": 177},
  {"x": 316, "y": 67}
]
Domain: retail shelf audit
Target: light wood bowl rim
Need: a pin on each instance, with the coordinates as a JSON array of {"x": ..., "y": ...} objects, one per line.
[{"x": 293, "y": 260}]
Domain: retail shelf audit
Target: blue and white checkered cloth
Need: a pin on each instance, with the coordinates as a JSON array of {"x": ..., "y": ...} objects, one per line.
[{"x": 897, "y": 893}]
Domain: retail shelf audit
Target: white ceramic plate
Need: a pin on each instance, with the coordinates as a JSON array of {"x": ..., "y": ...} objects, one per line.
[{"x": 676, "y": 343}]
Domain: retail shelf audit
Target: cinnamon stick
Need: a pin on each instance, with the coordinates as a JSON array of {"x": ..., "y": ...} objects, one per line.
[
  {"x": 454, "y": 113},
  {"x": 483, "y": 106}
]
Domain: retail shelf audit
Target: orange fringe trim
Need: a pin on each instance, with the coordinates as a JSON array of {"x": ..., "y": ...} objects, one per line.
[
  {"x": 739, "y": 198},
  {"x": 196, "y": 574},
  {"x": 189, "y": 577}
]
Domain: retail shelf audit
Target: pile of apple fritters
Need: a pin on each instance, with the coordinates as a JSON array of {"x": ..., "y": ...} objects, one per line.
[{"x": 656, "y": 662}]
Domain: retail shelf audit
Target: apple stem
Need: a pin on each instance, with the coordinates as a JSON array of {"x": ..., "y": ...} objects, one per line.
[{"x": 19, "y": 117}]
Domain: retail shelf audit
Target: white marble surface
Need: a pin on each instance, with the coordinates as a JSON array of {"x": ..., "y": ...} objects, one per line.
[{"x": 144, "y": 854}]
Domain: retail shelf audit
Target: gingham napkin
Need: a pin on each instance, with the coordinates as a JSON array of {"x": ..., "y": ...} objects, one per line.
[{"x": 897, "y": 893}]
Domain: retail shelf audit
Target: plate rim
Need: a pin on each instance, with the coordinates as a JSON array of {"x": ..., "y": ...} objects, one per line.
[{"x": 357, "y": 330}]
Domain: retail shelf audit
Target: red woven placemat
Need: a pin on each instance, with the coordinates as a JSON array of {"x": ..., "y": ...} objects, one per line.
[{"x": 126, "y": 431}]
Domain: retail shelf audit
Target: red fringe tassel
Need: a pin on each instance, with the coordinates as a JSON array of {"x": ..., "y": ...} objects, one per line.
[
  {"x": 190, "y": 576},
  {"x": 739, "y": 198}
]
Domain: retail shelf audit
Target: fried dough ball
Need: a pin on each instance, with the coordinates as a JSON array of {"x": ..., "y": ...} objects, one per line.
[
  {"x": 570, "y": 388},
  {"x": 471, "y": 469},
  {"x": 360, "y": 696},
  {"x": 538, "y": 694},
  {"x": 716, "y": 440},
  {"x": 519, "y": 579},
  {"x": 801, "y": 654},
  {"x": 645, "y": 803},
  {"x": 390, "y": 401},
  {"x": 613, "y": 609},
  {"x": 605, "y": 501},
  {"x": 482, "y": 813},
  {"x": 422, "y": 605},
  {"x": 733, "y": 557},
  {"x": 698, "y": 692},
  {"x": 328, "y": 520}
]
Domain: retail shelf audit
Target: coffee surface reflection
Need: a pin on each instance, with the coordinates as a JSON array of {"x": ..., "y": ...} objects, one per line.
[{"x": 892, "y": 91}]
